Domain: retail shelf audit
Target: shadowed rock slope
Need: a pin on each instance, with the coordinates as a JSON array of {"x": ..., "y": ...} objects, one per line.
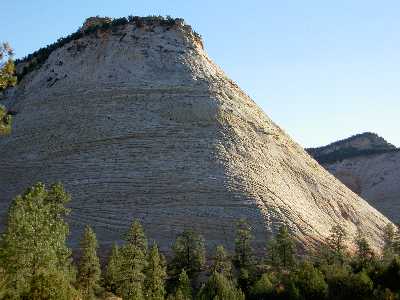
[
  {"x": 369, "y": 166},
  {"x": 138, "y": 122}
]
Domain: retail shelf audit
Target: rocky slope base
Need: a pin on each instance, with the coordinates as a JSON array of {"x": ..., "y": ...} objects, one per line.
[
  {"x": 138, "y": 122},
  {"x": 372, "y": 170}
]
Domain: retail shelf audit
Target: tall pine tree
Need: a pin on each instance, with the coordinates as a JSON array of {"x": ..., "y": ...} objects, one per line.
[
  {"x": 189, "y": 253},
  {"x": 219, "y": 287},
  {"x": 336, "y": 243},
  {"x": 89, "y": 265},
  {"x": 132, "y": 264},
  {"x": 243, "y": 249},
  {"x": 222, "y": 262},
  {"x": 155, "y": 275},
  {"x": 33, "y": 248},
  {"x": 281, "y": 250},
  {"x": 136, "y": 237},
  {"x": 391, "y": 240},
  {"x": 364, "y": 252},
  {"x": 184, "y": 288},
  {"x": 113, "y": 269}
]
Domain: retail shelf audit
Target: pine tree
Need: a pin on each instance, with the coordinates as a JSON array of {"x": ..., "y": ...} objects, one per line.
[
  {"x": 364, "y": 253},
  {"x": 219, "y": 287},
  {"x": 3, "y": 284},
  {"x": 184, "y": 289},
  {"x": 189, "y": 253},
  {"x": 222, "y": 263},
  {"x": 113, "y": 269},
  {"x": 391, "y": 246},
  {"x": 136, "y": 237},
  {"x": 263, "y": 288},
  {"x": 155, "y": 275},
  {"x": 33, "y": 247},
  {"x": 7, "y": 68},
  {"x": 336, "y": 244},
  {"x": 310, "y": 282},
  {"x": 281, "y": 250},
  {"x": 243, "y": 249},
  {"x": 286, "y": 247},
  {"x": 89, "y": 266},
  {"x": 132, "y": 264}
]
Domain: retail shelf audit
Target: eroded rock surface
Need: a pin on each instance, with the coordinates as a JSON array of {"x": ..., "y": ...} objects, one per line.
[
  {"x": 138, "y": 122},
  {"x": 373, "y": 171}
]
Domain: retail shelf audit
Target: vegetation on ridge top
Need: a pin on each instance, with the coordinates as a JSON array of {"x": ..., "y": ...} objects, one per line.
[
  {"x": 37, "y": 58},
  {"x": 339, "y": 150}
]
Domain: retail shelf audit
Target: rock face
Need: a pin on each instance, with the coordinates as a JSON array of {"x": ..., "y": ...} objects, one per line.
[
  {"x": 138, "y": 122},
  {"x": 369, "y": 166}
]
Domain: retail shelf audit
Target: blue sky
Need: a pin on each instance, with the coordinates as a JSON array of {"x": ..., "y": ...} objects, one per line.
[{"x": 322, "y": 70}]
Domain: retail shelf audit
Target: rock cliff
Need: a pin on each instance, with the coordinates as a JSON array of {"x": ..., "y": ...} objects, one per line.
[
  {"x": 138, "y": 122},
  {"x": 369, "y": 166}
]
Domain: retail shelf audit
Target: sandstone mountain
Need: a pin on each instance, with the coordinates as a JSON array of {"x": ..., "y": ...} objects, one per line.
[
  {"x": 369, "y": 166},
  {"x": 137, "y": 122}
]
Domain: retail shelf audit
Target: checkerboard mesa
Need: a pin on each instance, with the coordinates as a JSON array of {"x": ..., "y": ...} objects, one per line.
[{"x": 137, "y": 122}]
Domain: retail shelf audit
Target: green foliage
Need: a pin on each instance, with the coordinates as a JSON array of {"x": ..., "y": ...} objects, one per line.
[
  {"x": 361, "y": 286},
  {"x": 281, "y": 250},
  {"x": 310, "y": 282},
  {"x": 189, "y": 253},
  {"x": 389, "y": 276},
  {"x": 275, "y": 285},
  {"x": 136, "y": 236},
  {"x": 222, "y": 263},
  {"x": 37, "y": 59},
  {"x": 336, "y": 244},
  {"x": 344, "y": 284},
  {"x": 49, "y": 285},
  {"x": 89, "y": 266},
  {"x": 341, "y": 150},
  {"x": 5, "y": 121},
  {"x": 364, "y": 253},
  {"x": 132, "y": 263},
  {"x": 35, "y": 263},
  {"x": 391, "y": 240},
  {"x": 263, "y": 288},
  {"x": 155, "y": 275},
  {"x": 246, "y": 278},
  {"x": 33, "y": 247},
  {"x": 111, "y": 276},
  {"x": 305, "y": 282},
  {"x": 3, "y": 284},
  {"x": 183, "y": 289},
  {"x": 219, "y": 287},
  {"x": 243, "y": 249},
  {"x": 7, "y": 68}
]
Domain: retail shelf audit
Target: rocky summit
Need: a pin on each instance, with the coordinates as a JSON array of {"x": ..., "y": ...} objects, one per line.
[
  {"x": 137, "y": 122},
  {"x": 369, "y": 166}
]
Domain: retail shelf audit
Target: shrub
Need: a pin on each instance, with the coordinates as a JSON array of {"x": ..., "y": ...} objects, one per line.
[{"x": 5, "y": 121}]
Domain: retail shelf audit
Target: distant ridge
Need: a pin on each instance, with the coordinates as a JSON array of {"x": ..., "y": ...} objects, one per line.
[
  {"x": 369, "y": 166},
  {"x": 362, "y": 144}
]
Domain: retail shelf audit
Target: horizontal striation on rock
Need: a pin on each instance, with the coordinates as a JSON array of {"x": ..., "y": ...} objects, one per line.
[
  {"x": 148, "y": 127},
  {"x": 375, "y": 178}
]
